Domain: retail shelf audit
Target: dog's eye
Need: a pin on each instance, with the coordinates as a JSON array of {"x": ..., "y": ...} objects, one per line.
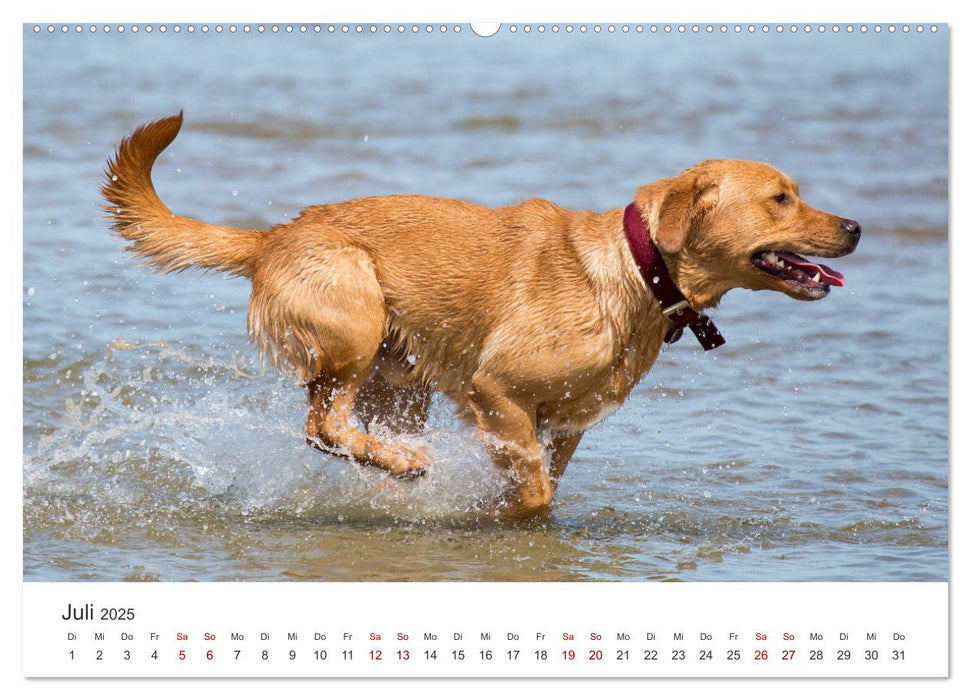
[{"x": 781, "y": 198}]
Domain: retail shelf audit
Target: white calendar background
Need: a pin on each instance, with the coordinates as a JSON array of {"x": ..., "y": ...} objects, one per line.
[{"x": 486, "y": 629}]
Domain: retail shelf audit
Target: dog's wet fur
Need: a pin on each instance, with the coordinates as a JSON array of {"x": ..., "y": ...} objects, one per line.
[{"x": 533, "y": 319}]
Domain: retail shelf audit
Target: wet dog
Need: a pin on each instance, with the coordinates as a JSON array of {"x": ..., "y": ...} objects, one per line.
[{"x": 537, "y": 321}]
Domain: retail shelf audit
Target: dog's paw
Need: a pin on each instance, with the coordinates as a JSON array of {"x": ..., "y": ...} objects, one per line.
[
  {"x": 519, "y": 511},
  {"x": 527, "y": 501},
  {"x": 410, "y": 462},
  {"x": 508, "y": 506},
  {"x": 319, "y": 445}
]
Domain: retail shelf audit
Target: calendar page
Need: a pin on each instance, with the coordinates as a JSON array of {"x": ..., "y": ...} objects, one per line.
[{"x": 514, "y": 350}]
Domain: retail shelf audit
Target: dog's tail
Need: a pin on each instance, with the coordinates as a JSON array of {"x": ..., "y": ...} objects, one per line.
[{"x": 169, "y": 242}]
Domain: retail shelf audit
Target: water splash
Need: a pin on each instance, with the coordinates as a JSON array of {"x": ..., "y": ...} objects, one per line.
[{"x": 150, "y": 425}]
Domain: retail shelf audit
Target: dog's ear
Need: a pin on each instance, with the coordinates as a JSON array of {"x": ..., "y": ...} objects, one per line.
[{"x": 671, "y": 207}]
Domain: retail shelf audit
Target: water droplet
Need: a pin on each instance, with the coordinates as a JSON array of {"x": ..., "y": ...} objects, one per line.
[
  {"x": 656, "y": 280},
  {"x": 30, "y": 291},
  {"x": 235, "y": 193},
  {"x": 114, "y": 178},
  {"x": 412, "y": 359}
]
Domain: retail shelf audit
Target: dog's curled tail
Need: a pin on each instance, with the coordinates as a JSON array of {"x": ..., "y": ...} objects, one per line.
[{"x": 169, "y": 242}]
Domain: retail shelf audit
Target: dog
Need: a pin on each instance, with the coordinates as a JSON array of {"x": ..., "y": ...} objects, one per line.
[{"x": 537, "y": 321}]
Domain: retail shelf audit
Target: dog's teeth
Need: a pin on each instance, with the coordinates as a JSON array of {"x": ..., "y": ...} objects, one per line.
[{"x": 816, "y": 278}]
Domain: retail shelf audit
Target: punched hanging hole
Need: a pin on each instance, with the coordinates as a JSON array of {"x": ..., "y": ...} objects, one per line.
[{"x": 485, "y": 29}]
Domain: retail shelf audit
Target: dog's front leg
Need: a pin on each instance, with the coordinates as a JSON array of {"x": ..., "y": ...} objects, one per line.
[
  {"x": 562, "y": 447},
  {"x": 509, "y": 431}
]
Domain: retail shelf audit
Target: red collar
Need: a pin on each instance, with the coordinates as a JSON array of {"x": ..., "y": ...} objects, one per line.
[{"x": 672, "y": 302}]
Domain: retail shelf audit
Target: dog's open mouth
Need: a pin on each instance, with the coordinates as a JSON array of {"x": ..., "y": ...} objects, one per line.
[{"x": 811, "y": 276}]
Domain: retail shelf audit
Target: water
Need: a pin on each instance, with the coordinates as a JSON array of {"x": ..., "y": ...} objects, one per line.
[{"x": 813, "y": 446}]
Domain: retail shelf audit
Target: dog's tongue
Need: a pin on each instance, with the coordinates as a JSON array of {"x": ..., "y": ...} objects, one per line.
[{"x": 826, "y": 274}]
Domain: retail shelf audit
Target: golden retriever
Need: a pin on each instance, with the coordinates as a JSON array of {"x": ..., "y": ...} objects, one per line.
[{"x": 535, "y": 320}]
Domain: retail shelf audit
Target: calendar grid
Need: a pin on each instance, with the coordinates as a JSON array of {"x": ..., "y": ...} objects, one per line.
[{"x": 485, "y": 629}]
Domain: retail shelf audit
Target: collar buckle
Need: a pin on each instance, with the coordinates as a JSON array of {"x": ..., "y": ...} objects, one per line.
[{"x": 675, "y": 309}]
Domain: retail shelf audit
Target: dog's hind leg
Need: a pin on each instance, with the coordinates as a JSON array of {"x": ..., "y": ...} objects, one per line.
[
  {"x": 330, "y": 426},
  {"x": 399, "y": 408},
  {"x": 322, "y": 312}
]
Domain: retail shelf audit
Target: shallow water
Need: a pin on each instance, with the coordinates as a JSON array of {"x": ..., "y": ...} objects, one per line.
[{"x": 813, "y": 446}]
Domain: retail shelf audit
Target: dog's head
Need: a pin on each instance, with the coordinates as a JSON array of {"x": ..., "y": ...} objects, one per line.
[{"x": 723, "y": 224}]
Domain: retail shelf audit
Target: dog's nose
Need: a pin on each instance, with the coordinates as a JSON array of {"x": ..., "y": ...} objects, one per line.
[{"x": 851, "y": 227}]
